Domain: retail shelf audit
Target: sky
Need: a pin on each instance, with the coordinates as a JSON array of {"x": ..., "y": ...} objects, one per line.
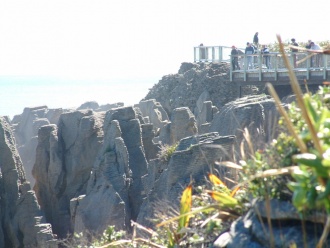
[{"x": 62, "y": 53}]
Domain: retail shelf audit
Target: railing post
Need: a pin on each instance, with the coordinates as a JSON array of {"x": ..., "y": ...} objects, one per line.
[
  {"x": 308, "y": 67},
  {"x": 195, "y": 54},
  {"x": 220, "y": 53},
  {"x": 213, "y": 54},
  {"x": 260, "y": 65},
  {"x": 231, "y": 68},
  {"x": 245, "y": 66},
  {"x": 325, "y": 64},
  {"x": 276, "y": 67}
]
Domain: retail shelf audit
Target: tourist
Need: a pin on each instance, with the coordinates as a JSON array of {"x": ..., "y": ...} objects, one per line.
[
  {"x": 202, "y": 52},
  {"x": 234, "y": 58},
  {"x": 308, "y": 46},
  {"x": 318, "y": 57},
  {"x": 249, "y": 50},
  {"x": 240, "y": 58},
  {"x": 294, "y": 51},
  {"x": 265, "y": 52},
  {"x": 256, "y": 40}
]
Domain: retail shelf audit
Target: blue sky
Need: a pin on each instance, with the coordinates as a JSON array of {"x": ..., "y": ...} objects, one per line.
[{"x": 125, "y": 41}]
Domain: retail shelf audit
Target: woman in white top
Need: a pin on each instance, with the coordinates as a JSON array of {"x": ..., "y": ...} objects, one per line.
[{"x": 315, "y": 46}]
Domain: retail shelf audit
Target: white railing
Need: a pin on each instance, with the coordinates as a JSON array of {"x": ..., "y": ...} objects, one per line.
[
  {"x": 300, "y": 62},
  {"x": 212, "y": 53}
]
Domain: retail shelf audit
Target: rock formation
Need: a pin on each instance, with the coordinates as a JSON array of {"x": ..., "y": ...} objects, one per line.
[
  {"x": 195, "y": 83},
  {"x": 25, "y": 128},
  {"x": 193, "y": 159},
  {"x": 93, "y": 105},
  {"x": 154, "y": 112},
  {"x": 253, "y": 231},
  {"x": 64, "y": 160},
  {"x": 183, "y": 124},
  {"x": 257, "y": 114},
  {"x": 22, "y": 222},
  {"x": 115, "y": 192}
]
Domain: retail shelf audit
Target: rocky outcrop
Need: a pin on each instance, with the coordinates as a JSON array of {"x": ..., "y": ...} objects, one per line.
[
  {"x": 257, "y": 114},
  {"x": 253, "y": 231},
  {"x": 93, "y": 105},
  {"x": 183, "y": 124},
  {"x": 154, "y": 112},
  {"x": 115, "y": 192},
  {"x": 197, "y": 81},
  {"x": 64, "y": 160},
  {"x": 25, "y": 128},
  {"x": 22, "y": 223},
  {"x": 193, "y": 159}
]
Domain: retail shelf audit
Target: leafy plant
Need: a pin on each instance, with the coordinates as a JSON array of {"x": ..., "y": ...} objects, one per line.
[{"x": 224, "y": 198}]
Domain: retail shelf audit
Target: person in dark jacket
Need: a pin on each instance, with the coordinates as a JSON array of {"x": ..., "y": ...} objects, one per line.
[
  {"x": 294, "y": 51},
  {"x": 202, "y": 52},
  {"x": 265, "y": 52},
  {"x": 249, "y": 50},
  {"x": 256, "y": 39},
  {"x": 234, "y": 58}
]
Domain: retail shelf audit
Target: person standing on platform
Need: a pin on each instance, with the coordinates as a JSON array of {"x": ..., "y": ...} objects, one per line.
[
  {"x": 315, "y": 46},
  {"x": 294, "y": 51},
  {"x": 256, "y": 40},
  {"x": 249, "y": 50},
  {"x": 265, "y": 52},
  {"x": 234, "y": 58},
  {"x": 202, "y": 53}
]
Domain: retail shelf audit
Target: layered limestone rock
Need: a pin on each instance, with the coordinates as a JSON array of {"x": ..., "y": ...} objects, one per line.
[
  {"x": 193, "y": 159},
  {"x": 154, "y": 112},
  {"x": 195, "y": 81},
  {"x": 183, "y": 124},
  {"x": 22, "y": 222},
  {"x": 64, "y": 160},
  {"x": 93, "y": 105},
  {"x": 115, "y": 191},
  {"x": 253, "y": 231},
  {"x": 204, "y": 112},
  {"x": 25, "y": 128},
  {"x": 257, "y": 114}
]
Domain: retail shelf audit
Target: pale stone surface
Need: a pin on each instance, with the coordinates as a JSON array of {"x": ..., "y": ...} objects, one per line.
[
  {"x": 65, "y": 156},
  {"x": 155, "y": 113},
  {"x": 25, "y": 128},
  {"x": 20, "y": 213},
  {"x": 183, "y": 124}
]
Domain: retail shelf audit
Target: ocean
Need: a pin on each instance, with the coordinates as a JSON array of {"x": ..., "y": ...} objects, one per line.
[{"x": 16, "y": 92}]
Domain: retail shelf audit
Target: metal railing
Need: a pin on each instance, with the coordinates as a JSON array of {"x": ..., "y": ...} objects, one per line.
[
  {"x": 212, "y": 54},
  {"x": 302, "y": 62}
]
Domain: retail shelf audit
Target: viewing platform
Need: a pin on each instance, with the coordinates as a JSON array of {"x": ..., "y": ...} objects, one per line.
[{"x": 315, "y": 69}]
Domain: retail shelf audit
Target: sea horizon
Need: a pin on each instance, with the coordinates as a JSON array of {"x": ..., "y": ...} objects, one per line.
[{"x": 19, "y": 92}]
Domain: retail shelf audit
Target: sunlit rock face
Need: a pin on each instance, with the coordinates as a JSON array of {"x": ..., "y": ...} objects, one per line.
[
  {"x": 64, "y": 158},
  {"x": 25, "y": 128},
  {"x": 23, "y": 223}
]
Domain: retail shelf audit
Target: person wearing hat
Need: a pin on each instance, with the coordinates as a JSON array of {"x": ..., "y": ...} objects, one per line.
[
  {"x": 294, "y": 51},
  {"x": 234, "y": 58}
]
